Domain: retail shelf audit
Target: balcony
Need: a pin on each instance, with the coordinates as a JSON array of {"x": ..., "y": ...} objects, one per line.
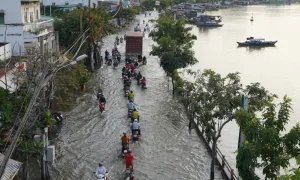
[{"x": 44, "y": 23}]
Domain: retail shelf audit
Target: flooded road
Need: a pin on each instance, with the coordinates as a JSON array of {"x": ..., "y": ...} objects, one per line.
[{"x": 165, "y": 151}]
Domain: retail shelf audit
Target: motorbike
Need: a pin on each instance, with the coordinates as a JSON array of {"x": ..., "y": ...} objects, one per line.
[
  {"x": 101, "y": 176},
  {"x": 144, "y": 85},
  {"x": 138, "y": 82},
  {"x": 115, "y": 64},
  {"x": 126, "y": 92},
  {"x": 121, "y": 40},
  {"x": 129, "y": 173},
  {"x": 57, "y": 116},
  {"x": 144, "y": 62},
  {"x": 135, "y": 136},
  {"x": 125, "y": 150},
  {"x": 101, "y": 107},
  {"x": 131, "y": 99},
  {"x": 130, "y": 113},
  {"x": 109, "y": 62}
]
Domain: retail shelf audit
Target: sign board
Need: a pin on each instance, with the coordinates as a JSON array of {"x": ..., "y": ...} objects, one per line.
[{"x": 157, "y": 3}]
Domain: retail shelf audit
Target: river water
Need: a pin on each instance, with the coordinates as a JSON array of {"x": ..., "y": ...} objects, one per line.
[
  {"x": 165, "y": 151},
  {"x": 276, "y": 68}
]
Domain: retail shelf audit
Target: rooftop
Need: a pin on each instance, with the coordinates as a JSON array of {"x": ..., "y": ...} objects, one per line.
[
  {"x": 134, "y": 34},
  {"x": 12, "y": 167},
  {"x": 2, "y": 44}
]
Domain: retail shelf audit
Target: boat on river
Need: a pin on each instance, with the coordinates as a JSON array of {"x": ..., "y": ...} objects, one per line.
[
  {"x": 209, "y": 21},
  {"x": 251, "y": 41}
]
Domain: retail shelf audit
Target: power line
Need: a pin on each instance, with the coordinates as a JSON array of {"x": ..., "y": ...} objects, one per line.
[{"x": 12, "y": 146}]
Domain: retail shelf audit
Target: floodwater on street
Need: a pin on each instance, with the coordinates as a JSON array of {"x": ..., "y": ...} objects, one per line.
[
  {"x": 276, "y": 68},
  {"x": 165, "y": 151}
]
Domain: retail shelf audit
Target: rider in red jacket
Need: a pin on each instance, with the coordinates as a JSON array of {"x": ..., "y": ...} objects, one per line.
[
  {"x": 143, "y": 81},
  {"x": 129, "y": 159}
]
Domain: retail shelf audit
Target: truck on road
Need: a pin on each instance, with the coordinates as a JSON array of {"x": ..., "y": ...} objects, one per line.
[{"x": 134, "y": 45}]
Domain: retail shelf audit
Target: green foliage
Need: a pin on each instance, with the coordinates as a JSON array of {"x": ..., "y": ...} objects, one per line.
[
  {"x": 69, "y": 81},
  {"x": 148, "y": 3},
  {"x": 174, "y": 43},
  {"x": 69, "y": 26},
  {"x": 247, "y": 154},
  {"x": 213, "y": 100},
  {"x": 263, "y": 127}
]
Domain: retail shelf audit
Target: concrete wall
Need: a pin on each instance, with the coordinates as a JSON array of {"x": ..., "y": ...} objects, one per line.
[
  {"x": 5, "y": 54},
  {"x": 12, "y": 33}
]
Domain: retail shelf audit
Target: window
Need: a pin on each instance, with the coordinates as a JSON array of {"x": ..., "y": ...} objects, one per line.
[
  {"x": 2, "y": 18},
  {"x": 37, "y": 14},
  {"x": 26, "y": 15},
  {"x": 31, "y": 17}
]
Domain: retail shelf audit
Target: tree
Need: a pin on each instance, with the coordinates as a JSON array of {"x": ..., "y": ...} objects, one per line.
[
  {"x": 69, "y": 26},
  {"x": 174, "y": 43},
  {"x": 213, "y": 101},
  {"x": 263, "y": 127}
]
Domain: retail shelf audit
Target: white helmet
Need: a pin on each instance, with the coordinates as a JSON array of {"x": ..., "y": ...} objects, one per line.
[{"x": 135, "y": 120}]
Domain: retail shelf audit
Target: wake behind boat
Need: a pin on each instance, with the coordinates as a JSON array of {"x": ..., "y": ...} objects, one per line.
[{"x": 251, "y": 41}]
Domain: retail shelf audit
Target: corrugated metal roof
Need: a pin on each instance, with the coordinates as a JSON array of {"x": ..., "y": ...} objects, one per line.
[{"x": 12, "y": 167}]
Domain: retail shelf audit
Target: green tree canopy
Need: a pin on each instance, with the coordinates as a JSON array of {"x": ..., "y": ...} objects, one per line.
[{"x": 174, "y": 43}]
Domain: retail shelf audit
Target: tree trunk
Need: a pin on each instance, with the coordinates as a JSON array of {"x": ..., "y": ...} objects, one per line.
[
  {"x": 213, "y": 158},
  {"x": 173, "y": 84}
]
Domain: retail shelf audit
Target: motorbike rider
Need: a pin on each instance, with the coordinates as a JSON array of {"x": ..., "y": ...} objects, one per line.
[
  {"x": 135, "y": 126},
  {"x": 139, "y": 76},
  {"x": 143, "y": 81},
  {"x": 136, "y": 71},
  {"x": 100, "y": 170},
  {"x": 135, "y": 114},
  {"x": 131, "y": 95},
  {"x": 102, "y": 100},
  {"x": 144, "y": 59},
  {"x": 130, "y": 106},
  {"x": 106, "y": 53},
  {"x": 125, "y": 141},
  {"x": 129, "y": 159},
  {"x": 136, "y": 64},
  {"x": 123, "y": 69},
  {"x": 99, "y": 94}
]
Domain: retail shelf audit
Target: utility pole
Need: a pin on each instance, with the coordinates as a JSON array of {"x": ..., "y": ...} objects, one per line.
[
  {"x": 91, "y": 41},
  {"x": 241, "y": 134}
]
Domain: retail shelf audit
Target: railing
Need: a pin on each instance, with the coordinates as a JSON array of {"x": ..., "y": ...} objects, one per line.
[
  {"x": 226, "y": 169},
  {"x": 42, "y": 24}
]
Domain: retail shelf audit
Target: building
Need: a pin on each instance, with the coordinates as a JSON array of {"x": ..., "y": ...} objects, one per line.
[
  {"x": 67, "y": 2},
  {"x": 22, "y": 25}
]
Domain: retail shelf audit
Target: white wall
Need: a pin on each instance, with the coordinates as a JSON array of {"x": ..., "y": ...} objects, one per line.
[
  {"x": 9, "y": 33},
  {"x": 5, "y": 54},
  {"x": 13, "y": 35},
  {"x": 12, "y": 11},
  {"x": 62, "y": 2}
]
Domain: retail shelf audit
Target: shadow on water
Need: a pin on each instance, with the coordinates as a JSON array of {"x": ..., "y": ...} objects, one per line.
[{"x": 255, "y": 49}]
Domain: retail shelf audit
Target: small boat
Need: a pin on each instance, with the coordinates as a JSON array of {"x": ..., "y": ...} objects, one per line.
[
  {"x": 251, "y": 19},
  {"x": 208, "y": 21},
  {"x": 251, "y": 41}
]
